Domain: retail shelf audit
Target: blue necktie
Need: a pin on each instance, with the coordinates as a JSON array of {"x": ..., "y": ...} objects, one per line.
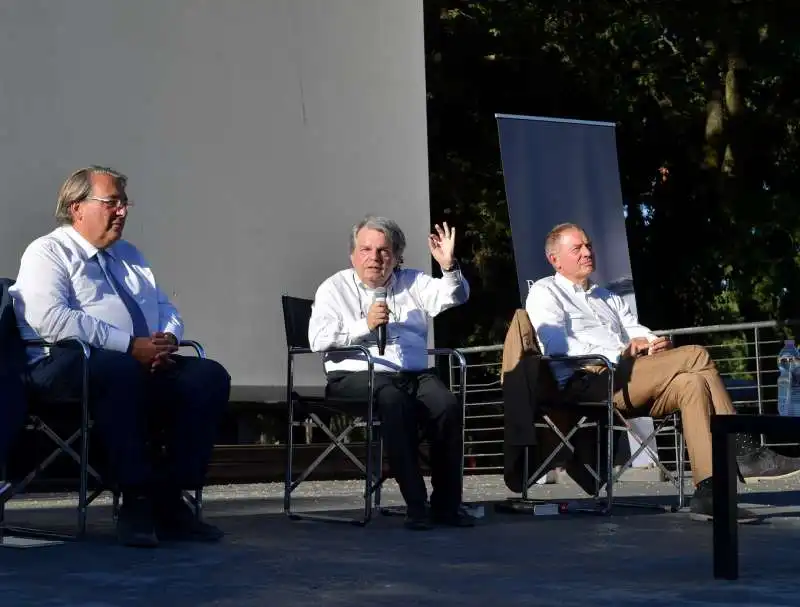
[{"x": 140, "y": 328}]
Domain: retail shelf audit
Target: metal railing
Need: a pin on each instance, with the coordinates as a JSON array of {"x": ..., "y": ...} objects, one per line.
[{"x": 745, "y": 355}]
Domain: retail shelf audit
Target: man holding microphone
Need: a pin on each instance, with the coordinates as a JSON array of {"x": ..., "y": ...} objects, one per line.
[{"x": 378, "y": 304}]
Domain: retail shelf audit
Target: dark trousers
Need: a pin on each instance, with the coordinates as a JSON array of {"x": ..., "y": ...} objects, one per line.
[
  {"x": 178, "y": 408},
  {"x": 404, "y": 402}
]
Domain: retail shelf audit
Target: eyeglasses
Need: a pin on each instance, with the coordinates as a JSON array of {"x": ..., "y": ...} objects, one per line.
[{"x": 113, "y": 204}]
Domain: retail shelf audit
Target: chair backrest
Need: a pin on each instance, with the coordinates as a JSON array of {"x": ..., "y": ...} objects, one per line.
[
  {"x": 12, "y": 368},
  {"x": 12, "y": 349},
  {"x": 521, "y": 342},
  {"x": 296, "y": 316}
]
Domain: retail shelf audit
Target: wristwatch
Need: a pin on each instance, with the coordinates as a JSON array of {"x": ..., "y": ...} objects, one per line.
[{"x": 453, "y": 267}]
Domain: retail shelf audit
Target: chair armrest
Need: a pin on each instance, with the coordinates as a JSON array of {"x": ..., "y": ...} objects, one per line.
[
  {"x": 356, "y": 348},
  {"x": 85, "y": 349},
  {"x": 597, "y": 358},
  {"x": 195, "y": 345},
  {"x": 462, "y": 362}
]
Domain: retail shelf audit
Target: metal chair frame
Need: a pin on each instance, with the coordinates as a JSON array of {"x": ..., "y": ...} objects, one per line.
[
  {"x": 64, "y": 446},
  {"x": 615, "y": 421}
]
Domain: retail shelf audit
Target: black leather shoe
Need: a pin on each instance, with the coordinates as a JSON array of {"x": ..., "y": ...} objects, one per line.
[
  {"x": 417, "y": 523},
  {"x": 135, "y": 522},
  {"x": 459, "y": 518},
  {"x": 701, "y": 507},
  {"x": 176, "y": 522},
  {"x": 764, "y": 464},
  {"x": 418, "y": 517}
]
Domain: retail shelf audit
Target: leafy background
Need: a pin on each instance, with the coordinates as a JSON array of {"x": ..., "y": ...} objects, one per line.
[{"x": 705, "y": 98}]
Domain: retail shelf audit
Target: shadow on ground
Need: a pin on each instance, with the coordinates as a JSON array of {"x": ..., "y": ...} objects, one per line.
[{"x": 635, "y": 557}]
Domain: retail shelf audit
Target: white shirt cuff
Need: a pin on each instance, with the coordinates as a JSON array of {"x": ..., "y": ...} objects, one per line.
[
  {"x": 453, "y": 277},
  {"x": 358, "y": 330},
  {"x": 175, "y": 329},
  {"x": 117, "y": 340}
]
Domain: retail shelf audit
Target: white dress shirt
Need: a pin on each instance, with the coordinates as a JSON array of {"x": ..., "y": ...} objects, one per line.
[
  {"x": 339, "y": 318},
  {"x": 62, "y": 291},
  {"x": 572, "y": 321}
]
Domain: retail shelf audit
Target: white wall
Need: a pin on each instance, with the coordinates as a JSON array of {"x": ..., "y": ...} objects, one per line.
[{"x": 254, "y": 133}]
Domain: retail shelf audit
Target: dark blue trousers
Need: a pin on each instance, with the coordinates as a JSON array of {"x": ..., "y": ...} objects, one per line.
[
  {"x": 179, "y": 407},
  {"x": 13, "y": 406}
]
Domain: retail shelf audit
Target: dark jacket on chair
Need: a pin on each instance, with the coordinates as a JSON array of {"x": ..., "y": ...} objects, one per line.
[
  {"x": 530, "y": 390},
  {"x": 526, "y": 379},
  {"x": 13, "y": 404}
]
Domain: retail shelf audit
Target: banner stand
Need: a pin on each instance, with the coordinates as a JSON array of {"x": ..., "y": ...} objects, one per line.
[{"x": 557, "y": 171}]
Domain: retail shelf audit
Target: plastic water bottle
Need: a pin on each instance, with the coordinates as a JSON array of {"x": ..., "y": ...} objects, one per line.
[{"x": 788, "y": 380}]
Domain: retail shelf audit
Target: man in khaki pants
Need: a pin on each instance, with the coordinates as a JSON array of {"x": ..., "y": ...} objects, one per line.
[{"x": 573, "y": 316}]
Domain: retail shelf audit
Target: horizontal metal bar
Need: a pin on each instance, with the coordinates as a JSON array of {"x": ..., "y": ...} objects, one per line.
[
  {"x": 484, "y": 390},
  {"x": 482, "y": 365},
  {"x": 548, "y": 119},
  {"x": 742, "y": 326},
  {"x": 479, "y": 349}
]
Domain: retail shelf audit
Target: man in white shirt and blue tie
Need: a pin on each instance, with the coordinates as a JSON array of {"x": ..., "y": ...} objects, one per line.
[
  {"x": 83, "y": 281},
  {"x": 573, "y": 316},
  {"x": 346, "y": 312}
]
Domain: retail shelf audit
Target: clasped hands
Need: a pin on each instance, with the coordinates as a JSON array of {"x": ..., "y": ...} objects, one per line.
[
  {"x": 640, "y": 346},
  {"x": 155, "y": 352}
]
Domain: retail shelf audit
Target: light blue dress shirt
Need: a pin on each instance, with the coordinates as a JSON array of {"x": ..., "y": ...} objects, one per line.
[{"x": 61, "y": 291}]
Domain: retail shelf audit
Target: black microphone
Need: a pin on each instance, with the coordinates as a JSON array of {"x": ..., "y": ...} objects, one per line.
[{"x": 380, "y": 295}]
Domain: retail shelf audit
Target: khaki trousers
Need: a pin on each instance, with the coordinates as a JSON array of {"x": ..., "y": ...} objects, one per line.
[{"x": 683, "y": 379}]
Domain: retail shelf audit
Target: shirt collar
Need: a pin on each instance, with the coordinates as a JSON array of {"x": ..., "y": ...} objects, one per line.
[
  {"x": 87, "y": 247},
  {"x": 567, "y": 284},
  {"x": 390, "y": 284}
]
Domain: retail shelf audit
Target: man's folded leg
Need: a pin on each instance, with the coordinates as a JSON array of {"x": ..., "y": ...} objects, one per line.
[
  {"x": 666, "y": 382},
  {"x": 690, "y": 393},
  {"x": 118, "y": 392},
  {"x": 755, "y": 462}
]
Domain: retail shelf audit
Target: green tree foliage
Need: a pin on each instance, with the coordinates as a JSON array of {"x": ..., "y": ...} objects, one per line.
[{"x": 706, "y": 98}]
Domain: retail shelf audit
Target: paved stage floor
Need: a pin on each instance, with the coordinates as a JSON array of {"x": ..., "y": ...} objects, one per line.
[{"x": 635, "y": 557}]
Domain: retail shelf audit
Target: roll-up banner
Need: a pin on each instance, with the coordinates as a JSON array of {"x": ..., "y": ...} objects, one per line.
[{"x": 558, "y": 171}]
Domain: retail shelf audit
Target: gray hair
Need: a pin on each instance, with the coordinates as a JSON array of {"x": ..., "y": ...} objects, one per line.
[
  {"x": 78, "y": 187},
  {"x": 390, "y": 229},
  {"x": 552, "y": 239}
]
